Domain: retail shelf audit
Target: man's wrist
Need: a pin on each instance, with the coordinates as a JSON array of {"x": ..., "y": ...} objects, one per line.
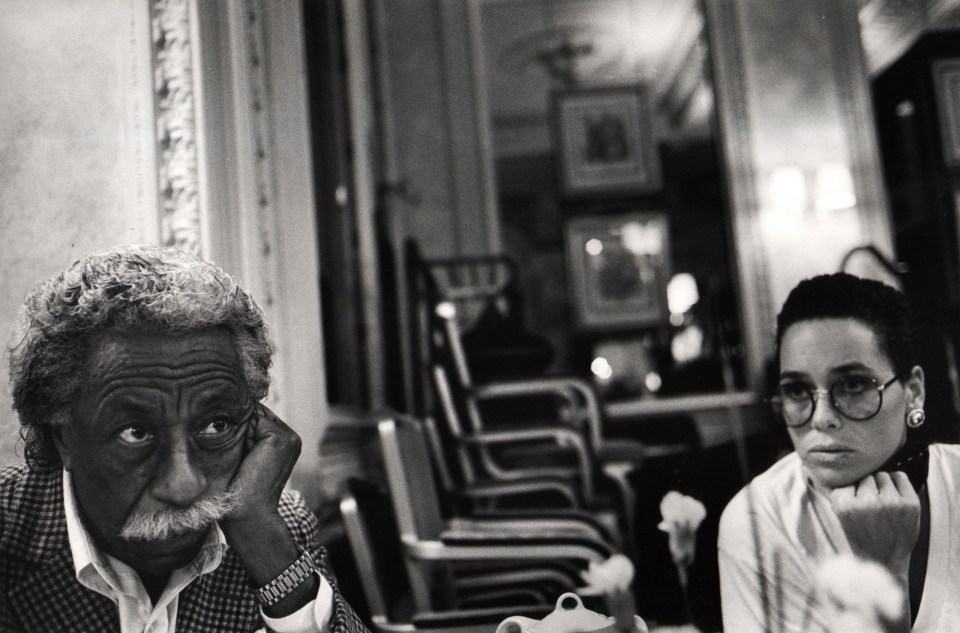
[
  {"x": 288, "y": 581},
  {"x": 265, "y": 547}
]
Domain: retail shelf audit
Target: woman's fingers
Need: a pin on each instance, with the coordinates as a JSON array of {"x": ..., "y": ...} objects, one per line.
[
  {"x": 902, "y": 483},
  {"x": 869, "y": 486}
]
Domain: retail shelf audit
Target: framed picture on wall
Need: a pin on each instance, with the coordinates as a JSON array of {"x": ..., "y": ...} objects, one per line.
[
  {"x": 946, "y": 80},
  {"x": 604, "y": 141},
  {"x": 618, "y": 268}
]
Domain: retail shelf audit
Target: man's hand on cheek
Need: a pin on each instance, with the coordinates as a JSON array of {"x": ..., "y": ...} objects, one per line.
[
  {"x": 254, "y": 529},
  {"x": 271, "y": 449}
]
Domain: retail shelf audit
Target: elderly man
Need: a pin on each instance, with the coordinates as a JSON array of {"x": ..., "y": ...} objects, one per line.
[{"x": 153, "y": 496}]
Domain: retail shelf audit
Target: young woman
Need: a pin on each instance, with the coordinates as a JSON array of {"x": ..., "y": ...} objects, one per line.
[{"x": 860, "y": 480}]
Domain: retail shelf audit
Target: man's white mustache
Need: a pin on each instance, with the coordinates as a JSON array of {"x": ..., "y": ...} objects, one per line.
[{"x": 166, "y": 522}]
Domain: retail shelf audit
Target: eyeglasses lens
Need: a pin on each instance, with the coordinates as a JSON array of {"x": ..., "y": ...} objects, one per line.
[
  {"x": 794, "y": 404},
  {"x": 859, "y": 403}
]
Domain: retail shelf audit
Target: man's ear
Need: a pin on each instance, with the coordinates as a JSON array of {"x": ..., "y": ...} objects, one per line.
[
  {"x": 916, "y": 391},
  {"x": 63, "y": 446}
]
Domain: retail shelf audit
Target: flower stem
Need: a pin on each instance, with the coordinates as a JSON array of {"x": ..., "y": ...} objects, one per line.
[{"x": 684, "y": 592}]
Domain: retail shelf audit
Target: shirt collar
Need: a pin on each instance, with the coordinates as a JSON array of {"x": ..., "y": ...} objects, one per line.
[{"x": 93, "y": 567}]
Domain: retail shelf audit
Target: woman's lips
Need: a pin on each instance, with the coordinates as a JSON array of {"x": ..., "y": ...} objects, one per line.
[{"x": 828, "y": 453}]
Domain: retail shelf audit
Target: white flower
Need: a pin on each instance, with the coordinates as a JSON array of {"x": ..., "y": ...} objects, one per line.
[
  {"x": 612, "y": 575},
  {"x": 682, "y": 515},
  {"x": 859, "y": 596}
]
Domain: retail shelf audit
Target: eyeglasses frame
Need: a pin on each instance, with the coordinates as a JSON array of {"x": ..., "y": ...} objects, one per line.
[{"x": 815, "y": 397}]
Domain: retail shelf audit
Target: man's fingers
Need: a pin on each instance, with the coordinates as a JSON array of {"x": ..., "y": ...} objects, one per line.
[
  {"x": 271, "y": 430},
  {"x": 266, "y": 422}
]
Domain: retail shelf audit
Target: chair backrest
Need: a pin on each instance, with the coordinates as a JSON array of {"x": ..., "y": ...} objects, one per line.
[
  {"x": 449, "y": 354},
  {"x": 386, "y": 587},
  {"x": 416, "y": 505},
  {"x": 450, "y": 430},
  {"x": 448, "y": 336},
  {"x": 406, "y": 458},
  {"x": 376, "y": 562},
  {"x": 419, "y": 290},
  {"x": 445, "y": 449},
  {"x": 473, "y": 284}
]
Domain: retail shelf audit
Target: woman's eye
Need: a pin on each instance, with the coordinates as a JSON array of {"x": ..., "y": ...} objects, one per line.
[
  {"x": 793, "y": 391},
  {"x": 135, "y": 434},
  {"x": 855, "y": 384},
  {"x": 218, "y": 426}
]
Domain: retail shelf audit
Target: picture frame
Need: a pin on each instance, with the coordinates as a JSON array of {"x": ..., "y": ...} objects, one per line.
[
  {"x": 618, "y": 268},
  {"x": 946, "y": 82},
  {"x": 604, "y": 141}
]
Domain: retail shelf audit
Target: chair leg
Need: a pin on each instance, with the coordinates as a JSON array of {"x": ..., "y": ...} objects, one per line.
[{"x": 618, "y": 472}]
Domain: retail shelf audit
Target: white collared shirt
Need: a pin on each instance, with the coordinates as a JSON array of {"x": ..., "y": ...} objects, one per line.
[
  {"x": 796, "y": 528},
  {"x": 119, "y": 582}
]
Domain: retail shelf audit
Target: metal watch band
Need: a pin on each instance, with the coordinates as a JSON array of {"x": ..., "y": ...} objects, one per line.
[{"x": 291, "y": 578}]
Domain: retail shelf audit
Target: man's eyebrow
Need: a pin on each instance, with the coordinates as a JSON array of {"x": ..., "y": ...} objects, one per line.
[
  {"x": 220, "y": 398},
  {"x": 126, "y": 406},
  {"x": 221, "y": 393},
  {"x": 127, "y": 403}
]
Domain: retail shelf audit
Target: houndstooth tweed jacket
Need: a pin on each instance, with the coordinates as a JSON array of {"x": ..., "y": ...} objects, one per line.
[{"x": 39, "y": 592}]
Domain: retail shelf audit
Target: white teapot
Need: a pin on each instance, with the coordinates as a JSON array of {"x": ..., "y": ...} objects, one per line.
[{"x": 569, "y": 616}]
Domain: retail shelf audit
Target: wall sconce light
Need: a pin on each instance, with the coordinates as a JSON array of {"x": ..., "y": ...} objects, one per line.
[
  {"x": 834, "y": 188},
  {"x": 788, "y": 190},
  {"x": 682, "y": 294}
]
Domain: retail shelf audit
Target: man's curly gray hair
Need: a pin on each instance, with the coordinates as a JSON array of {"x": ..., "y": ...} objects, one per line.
[{"x": 129, "y": 289}]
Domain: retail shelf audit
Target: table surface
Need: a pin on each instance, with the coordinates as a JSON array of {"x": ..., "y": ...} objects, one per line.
[{"x": 672, "y": 405}]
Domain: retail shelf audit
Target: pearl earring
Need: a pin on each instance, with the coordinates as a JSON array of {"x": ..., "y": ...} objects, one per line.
[{"x": 916, "y": 418}]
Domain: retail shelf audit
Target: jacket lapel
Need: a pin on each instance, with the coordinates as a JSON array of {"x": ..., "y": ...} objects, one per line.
[
  {"x": 51, "y": 599},
  {"x": 46, "y": 595}
]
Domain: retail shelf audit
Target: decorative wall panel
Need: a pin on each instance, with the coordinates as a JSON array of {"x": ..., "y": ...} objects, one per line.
[{"x": 176, "y": 124}]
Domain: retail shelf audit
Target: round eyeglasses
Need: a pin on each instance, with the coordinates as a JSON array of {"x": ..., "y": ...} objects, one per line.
[{"x": 854, "y": 397}]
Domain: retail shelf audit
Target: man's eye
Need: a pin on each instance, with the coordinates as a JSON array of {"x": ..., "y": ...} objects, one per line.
[
  {"x": 218, "y": 426},
  {"x": 135, "y": 434}
]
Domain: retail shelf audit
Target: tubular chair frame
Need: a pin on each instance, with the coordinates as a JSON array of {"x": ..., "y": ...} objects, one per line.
[
  {"x": 477, "y": 490},
  {"x": 446, "y": 621},
  {"x": 426, "y": 537},
  {"x": 584, "y": 423},
  {"x": 568, "y": 520}
]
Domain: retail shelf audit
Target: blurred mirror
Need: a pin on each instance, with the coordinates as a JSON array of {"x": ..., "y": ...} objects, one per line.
[{"x": 600, "y": 112}]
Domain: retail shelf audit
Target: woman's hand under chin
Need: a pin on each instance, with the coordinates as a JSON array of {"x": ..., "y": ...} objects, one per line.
[{"x": 880, "y": 515}]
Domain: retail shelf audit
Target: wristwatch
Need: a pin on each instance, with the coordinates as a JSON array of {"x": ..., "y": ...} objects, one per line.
[{"x": 291, "y": 578}]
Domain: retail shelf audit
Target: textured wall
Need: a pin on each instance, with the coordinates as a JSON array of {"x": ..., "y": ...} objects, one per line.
[
  {"x": 74, "y": 124},
  {"x": 794, "y": 107}
]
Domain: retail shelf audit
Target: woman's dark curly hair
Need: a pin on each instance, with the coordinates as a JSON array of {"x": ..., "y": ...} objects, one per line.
[
  {"x": 129, "y": 289},
  {"x": 882, "y": 308}
]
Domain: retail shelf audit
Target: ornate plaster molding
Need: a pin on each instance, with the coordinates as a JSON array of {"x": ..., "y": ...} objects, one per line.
[
  {"x": 257, "y": 168},
  {"x": 176, "y": 124},
  {"x": 257, "y": 95}
]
